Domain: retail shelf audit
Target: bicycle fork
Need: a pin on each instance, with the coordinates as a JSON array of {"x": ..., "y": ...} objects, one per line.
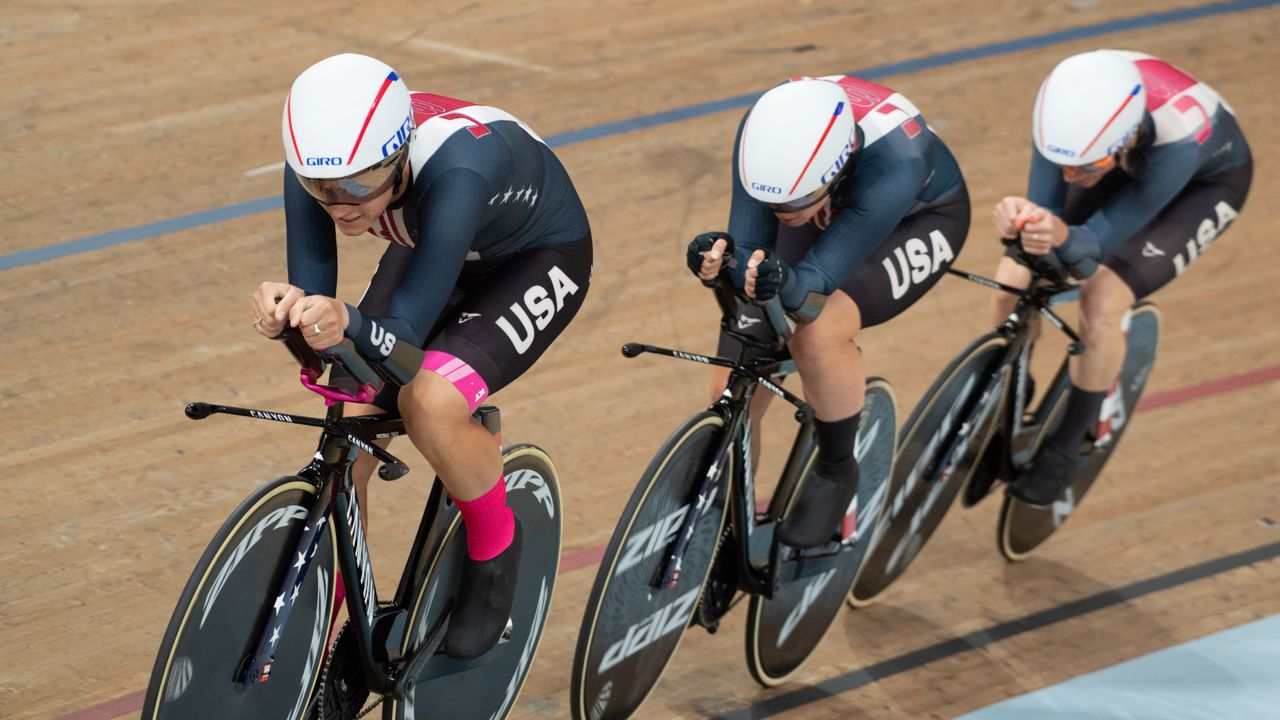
[
  {"x": 670, "y": 574},
  {"x": 258, "y": 668}
]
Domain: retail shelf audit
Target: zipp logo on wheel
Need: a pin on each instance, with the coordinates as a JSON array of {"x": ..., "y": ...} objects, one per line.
[
  {"x": 521, "y": 479},
  {"x": 651, "y": 539},
  {"x": 811, "y": 593},
  {"x": 666, "y": 620}
]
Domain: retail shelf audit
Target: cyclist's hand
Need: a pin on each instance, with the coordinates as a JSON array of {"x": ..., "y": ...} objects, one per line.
[
  {"x": 321, "y": 319},
  {"x": 765, "y": 276},
  {"x": 705, "y": 256},
  {"x": 270, "y": 305},
  {"x": 1042, "y": 231},
  {"x": 1006, "y": 213}
]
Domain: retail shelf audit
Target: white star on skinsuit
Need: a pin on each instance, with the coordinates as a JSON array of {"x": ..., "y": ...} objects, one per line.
[
  {"x": 279, "y": 603},
  {"x": 294, "y": 596},
  {"x": 300, "y": 561},
  {"x": 495, "y": 197},
  {"x": 534, "y": 200},
  {"x": 507, "y": 195},
  {"x": 275, "y": 635}
]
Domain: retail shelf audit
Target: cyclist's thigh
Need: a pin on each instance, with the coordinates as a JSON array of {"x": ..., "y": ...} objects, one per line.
[
  {"x": 500, "y": 329},
  {"x": 910, "y": 261},
  {"x": 1175, "y": 238}
]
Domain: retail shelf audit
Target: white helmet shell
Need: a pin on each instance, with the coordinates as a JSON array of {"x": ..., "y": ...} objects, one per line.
[
  {"x": 795, "y": 141},
  {"x": 344, "y": 114},
  {"x": 1088, "y": 108}
]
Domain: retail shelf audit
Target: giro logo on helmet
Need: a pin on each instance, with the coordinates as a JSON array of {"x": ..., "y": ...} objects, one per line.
[
  {"x": 1061, "y": 151},
  {"x": 317, "y": 161},
  {"x": 766, "y": 188},
  {"x": 839, "y": 164},
  {"x": 401, "y": 136}
]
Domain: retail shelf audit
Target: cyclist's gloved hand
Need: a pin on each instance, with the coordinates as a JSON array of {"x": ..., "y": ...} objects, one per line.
[
  {"x": 706, "y": 255},
  {"x": 765, "y": 276}
]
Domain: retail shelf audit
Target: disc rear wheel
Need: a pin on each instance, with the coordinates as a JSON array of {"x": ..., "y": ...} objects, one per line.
[
  {"x": 783, "y": 630},
  {"x": 1024, "y": 527}
]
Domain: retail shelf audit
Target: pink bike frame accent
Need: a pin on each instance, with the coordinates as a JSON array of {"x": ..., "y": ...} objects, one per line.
[
  {"x": 333, "y": 395},
  {"x": 463, "y": 376}
]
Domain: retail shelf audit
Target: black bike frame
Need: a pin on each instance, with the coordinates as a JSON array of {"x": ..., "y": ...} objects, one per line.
[
  {"x": 1036, "y": 299},
  {"x": 379, "y": 631},
  {"x": 757, "y": 362}
]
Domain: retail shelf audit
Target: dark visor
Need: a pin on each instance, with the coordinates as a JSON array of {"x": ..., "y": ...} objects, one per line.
[{"x": 361, "y": 187}]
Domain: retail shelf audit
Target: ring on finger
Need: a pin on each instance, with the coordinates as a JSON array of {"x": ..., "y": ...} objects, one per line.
[{"x": 316, "y": 328}]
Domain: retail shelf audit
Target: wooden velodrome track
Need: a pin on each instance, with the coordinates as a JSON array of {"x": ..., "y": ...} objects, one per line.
[{"x": 117, "y": 115}]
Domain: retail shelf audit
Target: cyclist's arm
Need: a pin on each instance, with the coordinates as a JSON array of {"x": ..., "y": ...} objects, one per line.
[
  {"x": 1169, "y": 169},
  {"x": 311, "y": 240},
  {"x": 1045, "y": 186},
  {"x": 449, "y": 216},
  {"x": 885, "y": 189}
]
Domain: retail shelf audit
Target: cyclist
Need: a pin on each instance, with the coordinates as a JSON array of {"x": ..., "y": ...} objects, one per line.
[
  {"x": 489, "y": 258},
  {"x": 848, "y": 207},
  {"x": 1138, "y": 166}
]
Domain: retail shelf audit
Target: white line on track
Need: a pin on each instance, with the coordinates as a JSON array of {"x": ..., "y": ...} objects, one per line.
[
  {"x": 479, "y": 55},
  {"x": 264, "y": 169}
]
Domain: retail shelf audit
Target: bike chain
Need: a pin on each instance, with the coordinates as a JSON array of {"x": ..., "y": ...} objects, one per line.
[
  {"x": 324, "y": 676},
  {"x": 709, "y": 618}
]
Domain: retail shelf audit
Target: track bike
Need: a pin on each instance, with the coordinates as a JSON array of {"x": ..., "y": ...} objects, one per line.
[
  {"x": 974, "y": 427},
  {"x": 249, "y": 637},
  {"x": 690, "y": 543}
]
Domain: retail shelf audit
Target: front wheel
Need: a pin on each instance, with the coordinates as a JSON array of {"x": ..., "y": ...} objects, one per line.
[
  {"x": 631, "y": 628},
  {"x": 783, "y": 630},
  {"x": 1024, "y": 527},
  {"x": 229, "y": 600},
  {"x": 954, "y": 420},
  {"x": 486, "y": 688}
]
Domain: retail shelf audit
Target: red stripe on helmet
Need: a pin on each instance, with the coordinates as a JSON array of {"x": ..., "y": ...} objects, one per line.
[
  {"x": 381, "y": 91},
  {"x": 1133, "y": 94},
  {"x": 830, "y": 123},
  {"x": 288, "y": 109}
]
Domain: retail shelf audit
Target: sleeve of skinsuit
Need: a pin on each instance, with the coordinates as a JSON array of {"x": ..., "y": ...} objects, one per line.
[
  {"x": 1045, "y": 186},
  {"x": 885, "y": 186},
  {"x": 449, "y": 216},
  {"x": 311, "y": 240},
  {"x": 1169, "y": 168},
  {"x": 752, "y": 225}
]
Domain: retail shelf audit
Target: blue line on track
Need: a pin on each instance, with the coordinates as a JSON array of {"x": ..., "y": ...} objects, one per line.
[
  {"x": 231, "y": 212},
  {"x": 985, "y": 637}
]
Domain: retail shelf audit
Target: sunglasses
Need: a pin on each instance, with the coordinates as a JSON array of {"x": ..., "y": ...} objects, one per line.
[
  {"x": 361, "y": 187},
  {"x": 1097, "y": 166}
]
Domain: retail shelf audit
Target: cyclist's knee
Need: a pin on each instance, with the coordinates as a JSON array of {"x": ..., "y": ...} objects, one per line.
[
  {"x": 1104, "y": 299},
  {"x": 433, "y": 404},
  {"x": 837, "y": 325}
]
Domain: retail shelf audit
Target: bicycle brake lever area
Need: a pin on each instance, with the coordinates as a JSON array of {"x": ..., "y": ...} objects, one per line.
[{"x": 631, "y": 350}]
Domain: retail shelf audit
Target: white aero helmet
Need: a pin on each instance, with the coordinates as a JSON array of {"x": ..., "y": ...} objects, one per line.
[
  {"x": 1089, "y": 107},
  {"x": 797, "y": 139},
  {"x": 346, "y": 128}
]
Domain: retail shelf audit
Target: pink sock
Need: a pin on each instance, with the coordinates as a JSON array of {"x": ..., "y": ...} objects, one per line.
[{"x": 489, "y": 522}]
